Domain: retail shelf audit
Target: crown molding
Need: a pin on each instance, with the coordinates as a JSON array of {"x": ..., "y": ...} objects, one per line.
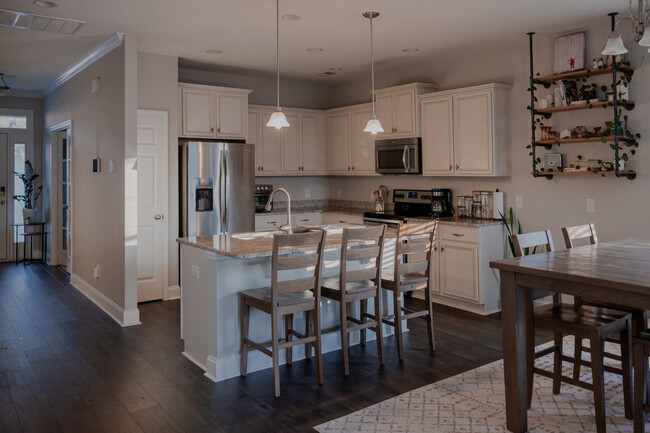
[
  {"x": 113, "y": 42},
  {"x": 22, "y": 94}
]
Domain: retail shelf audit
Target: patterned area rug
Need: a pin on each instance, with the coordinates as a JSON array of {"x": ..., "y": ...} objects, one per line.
[{"x": 474, "y": 402}]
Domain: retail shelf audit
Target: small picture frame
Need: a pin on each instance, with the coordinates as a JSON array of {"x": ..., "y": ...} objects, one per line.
[{"x": 569, "y": 53}]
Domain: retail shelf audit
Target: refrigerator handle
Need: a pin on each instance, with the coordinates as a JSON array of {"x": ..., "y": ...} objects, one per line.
[
  {"x": 219, "y": 182},
  {"x": 224, "y": 197}
]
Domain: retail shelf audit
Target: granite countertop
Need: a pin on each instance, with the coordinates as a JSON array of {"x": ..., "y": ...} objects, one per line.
[
  {"x": 259, "y": 244},
  {"x": 465, "y": 222},
  {"x": 299, "y": 211}
]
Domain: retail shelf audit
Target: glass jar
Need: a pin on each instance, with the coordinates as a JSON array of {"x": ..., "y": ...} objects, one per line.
[
  {"x": 486, "y": 204},
  {"x": 476, "y": 210},
  {"x": 460, "y": 206}
]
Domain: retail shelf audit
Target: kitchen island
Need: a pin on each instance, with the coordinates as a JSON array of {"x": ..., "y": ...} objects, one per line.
[{"x": 214, "y": 269}]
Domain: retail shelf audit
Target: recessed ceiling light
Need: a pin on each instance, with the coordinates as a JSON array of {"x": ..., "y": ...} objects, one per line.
[
  {"x": 290, "y": 17},
  {"x": 409, "y": 50},
  {"x": 45, "y": 3},
  {"x": 335, "y": 69},
  {"x": 213, "y": 51},
  {"x": 314, "y": 50}
]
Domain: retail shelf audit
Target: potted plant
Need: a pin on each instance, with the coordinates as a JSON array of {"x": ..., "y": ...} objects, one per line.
[{"x": 26, "y": 200}]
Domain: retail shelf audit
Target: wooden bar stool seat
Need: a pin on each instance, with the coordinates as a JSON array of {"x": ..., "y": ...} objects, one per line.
[
  {"x": 363, "y": 246},
  {"x": 596, "y": 324},
  {"x": 286, "y": 297},
  {"x": 411, "y": 272},
  {"x": 641, "y": 398}
]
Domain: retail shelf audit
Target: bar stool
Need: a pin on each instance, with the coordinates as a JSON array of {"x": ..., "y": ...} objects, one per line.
[
  {"x": 639, "y": 316},
  {"x": 584, "y": 322},
  {"x": 411, "y": 272},
  {"x": 367, "y": 245},
  {"x": 641, "y": 400},
  {"x": 286, "y": 297}
]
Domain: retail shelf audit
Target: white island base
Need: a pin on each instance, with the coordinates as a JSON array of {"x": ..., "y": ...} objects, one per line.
[{"x": 210, "y": 306}]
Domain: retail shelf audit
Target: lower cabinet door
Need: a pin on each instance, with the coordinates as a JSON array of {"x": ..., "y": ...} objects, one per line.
[{"x": 459, "y": 270}]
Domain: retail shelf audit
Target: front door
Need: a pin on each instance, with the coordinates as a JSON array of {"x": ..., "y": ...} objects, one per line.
[
  {"x": 152, "y": 202},
  {"x": 4, "y": 199},
  {"x": 64, "y": 247}
]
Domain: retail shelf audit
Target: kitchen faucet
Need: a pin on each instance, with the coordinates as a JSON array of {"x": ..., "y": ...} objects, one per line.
[{"x": 270, "y": 202}]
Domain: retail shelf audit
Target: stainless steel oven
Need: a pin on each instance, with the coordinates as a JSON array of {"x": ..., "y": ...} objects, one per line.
[{"x": 398, "y": 156}]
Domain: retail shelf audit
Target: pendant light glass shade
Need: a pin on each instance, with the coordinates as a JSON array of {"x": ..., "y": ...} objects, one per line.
[
  {"x": 278, "y": 120},
  {"x": 645, "y": 40},
  {"x": 373, "y": 126},
  {"x": 614, "y": 45}
]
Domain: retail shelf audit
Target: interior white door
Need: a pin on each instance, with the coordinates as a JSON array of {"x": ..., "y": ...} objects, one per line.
[
  {"x": 4, "y": 200},
  {"x": 64, "y": 248},
  {"x": 152, "y": 203}
]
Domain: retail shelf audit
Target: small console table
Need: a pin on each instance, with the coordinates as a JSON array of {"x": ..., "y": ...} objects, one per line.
[{"x": 39, "y": 231}]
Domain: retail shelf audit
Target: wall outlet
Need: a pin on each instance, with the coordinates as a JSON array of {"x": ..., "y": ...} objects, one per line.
[
  {"x": 591, "y": 205},
  {"x": 307, "y": 193},
  {"x": 96, "y": 272},
  {"x": 519, "y": 201},
  {"x": 339, "y": 193},
  {"x": 195, "y": 271}
]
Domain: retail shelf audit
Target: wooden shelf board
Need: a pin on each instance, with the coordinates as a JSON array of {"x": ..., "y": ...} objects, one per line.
[
  {"x": 580, "y": 140},
  {"x": 579, "y": 107},
  {"x": 592, "y": 173},
  {"x": 580, "y": 74}
]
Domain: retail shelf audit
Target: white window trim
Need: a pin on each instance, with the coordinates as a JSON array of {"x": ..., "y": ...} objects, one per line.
[{"x": 17, "y": 112}]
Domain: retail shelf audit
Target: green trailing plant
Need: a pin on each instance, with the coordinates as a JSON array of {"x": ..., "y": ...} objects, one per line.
[{"x": 28, "y": 180}]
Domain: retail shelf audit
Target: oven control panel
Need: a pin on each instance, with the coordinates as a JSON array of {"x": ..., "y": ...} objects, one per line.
[{"x": 411, "y": 196}]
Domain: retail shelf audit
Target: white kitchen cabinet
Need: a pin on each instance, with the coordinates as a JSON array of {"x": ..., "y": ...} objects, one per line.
[
  {"x": 460, "y": 272},
  {"x": 271, "y": 147},
  {"x": 213, "y": 112},
  {"x": 466, "y": 132},
  {"x": 340, "y": 218},
  {"x": 265, "y": 221},
  {"x": 253, "y": 136},
  {"x": 398, "y": 109},
  {"x": 306, "y": 219},
  {"x": 350, "y": 150},
  {"x": 291, "y": 144}
]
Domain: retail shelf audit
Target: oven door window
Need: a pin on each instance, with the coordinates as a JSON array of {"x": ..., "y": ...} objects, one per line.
[{"x": 390, "y": 159}]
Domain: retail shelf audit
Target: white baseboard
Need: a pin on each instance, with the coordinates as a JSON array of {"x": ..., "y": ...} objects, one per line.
[
  {"x": 173, "y": 292},
  {"x": 119, "y": 314}
]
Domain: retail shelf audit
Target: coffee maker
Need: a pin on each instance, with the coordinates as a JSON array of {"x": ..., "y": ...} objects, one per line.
[{"x": 441, "y": 204}]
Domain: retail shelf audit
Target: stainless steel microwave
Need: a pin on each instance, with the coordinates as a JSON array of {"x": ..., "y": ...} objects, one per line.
[{"x": 398, "y": 156}]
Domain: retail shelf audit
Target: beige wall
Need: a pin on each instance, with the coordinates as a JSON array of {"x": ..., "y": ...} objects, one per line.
[
  {"x": 158, "y": 90},
  {"x": 621, "y": 204},
  {"x": 100, "y": 129}
]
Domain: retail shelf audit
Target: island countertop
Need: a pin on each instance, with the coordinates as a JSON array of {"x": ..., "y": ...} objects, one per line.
[{"x": 259, "y": 244}]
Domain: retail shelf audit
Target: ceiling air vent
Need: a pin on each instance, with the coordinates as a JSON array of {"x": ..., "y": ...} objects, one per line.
[
  {"x": 25, "y": 20},
  {"x": 326, "y": 74}
]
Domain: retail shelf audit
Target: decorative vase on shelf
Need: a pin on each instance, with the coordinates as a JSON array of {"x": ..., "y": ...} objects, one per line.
[{"x": 29, "y": 217}]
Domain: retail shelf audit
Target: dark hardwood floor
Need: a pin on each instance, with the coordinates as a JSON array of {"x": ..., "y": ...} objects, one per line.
[{"x": 65, "y": 366}]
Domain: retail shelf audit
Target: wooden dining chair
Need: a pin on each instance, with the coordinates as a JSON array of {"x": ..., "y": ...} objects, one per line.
[
  {"x": 286, "y": 297},
  {"x": 411, "y": 271},
  {"x": 365, "y": 245},
  {"x": 583, "y": 322},
  {"x": 639, "y": 317},
  {"x": 641, "y": 397}
]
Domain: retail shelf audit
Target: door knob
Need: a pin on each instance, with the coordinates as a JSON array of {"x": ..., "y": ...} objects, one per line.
[
  {"x": 157, "y": 217},
  {"x": 65, "y": 206}
]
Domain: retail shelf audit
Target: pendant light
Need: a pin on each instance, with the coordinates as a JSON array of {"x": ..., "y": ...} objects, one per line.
[
  {"x": 614, "y": 46},
  {"x": 373, "y": 126},
  {"x": 277, "y": 120}
]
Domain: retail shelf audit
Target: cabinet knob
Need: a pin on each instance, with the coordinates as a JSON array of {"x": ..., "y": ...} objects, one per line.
[
  {"x": 442, "y": 249},
  {"x": 353, "y": 168},
  {"x": 262, "y": 168},
  {"x": 211, "y": 129},
  {"x": 456, "y": 166},
  {"x": 435, "y": 248},
  {"x": 348, "y": 168},
  {"x": 394, "y": 129},
  {"x": 219, "y": 130},
  {"x": 157, "y": 217},
  {"x": 451, "y": 167}
]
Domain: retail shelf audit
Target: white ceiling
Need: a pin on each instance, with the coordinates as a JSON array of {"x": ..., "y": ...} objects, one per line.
[{"x": 244, "y": 30}]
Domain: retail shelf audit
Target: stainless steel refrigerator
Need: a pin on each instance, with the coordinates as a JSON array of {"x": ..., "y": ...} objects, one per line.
[{"x": 217, "y": 187}]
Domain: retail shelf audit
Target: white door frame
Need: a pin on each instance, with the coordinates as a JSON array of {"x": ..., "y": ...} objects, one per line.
[
  {"x": 54, "y": 194},
  {"x": 165, "y": 195}
]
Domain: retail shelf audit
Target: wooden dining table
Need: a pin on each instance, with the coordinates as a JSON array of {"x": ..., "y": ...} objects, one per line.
[{"x": 615, "y": 272}]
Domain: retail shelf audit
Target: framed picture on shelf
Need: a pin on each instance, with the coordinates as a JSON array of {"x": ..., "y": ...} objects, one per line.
[{"x": 569, "y": 53}]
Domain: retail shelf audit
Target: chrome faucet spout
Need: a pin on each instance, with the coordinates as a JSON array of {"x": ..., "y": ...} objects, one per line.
[{"x": 270, "y": 202}]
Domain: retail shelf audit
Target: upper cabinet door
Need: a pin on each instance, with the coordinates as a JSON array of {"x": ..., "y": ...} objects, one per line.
[
  {"x": 271, "y": 147},
  {"x": 254, "y": 137},
  {"x": 404, "y": 120},
  {"x": 437, "y": 136},
  {"x": 363, "y": 144},
  {"x": 384, "y": 108},
  {"x": 473, "y": 133},
  {"x": 338, "y": 139},
  {"x": 310, "y": 130},
  {"x": 291, "y": 145},
  {"x": 198, "y": 116},
  {"x": 231, "y": 112}
]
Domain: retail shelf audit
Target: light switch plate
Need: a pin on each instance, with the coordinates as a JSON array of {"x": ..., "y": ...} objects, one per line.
[
  {"x": 591, "y": 205},
  {"x": 307, "y": 193},
  {"x": 519, "y": 201},
  {"x": 195, "y": 271}
]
